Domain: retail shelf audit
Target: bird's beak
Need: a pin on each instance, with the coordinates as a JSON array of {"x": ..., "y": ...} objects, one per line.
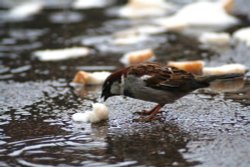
[{"x": 103, "y": 97}]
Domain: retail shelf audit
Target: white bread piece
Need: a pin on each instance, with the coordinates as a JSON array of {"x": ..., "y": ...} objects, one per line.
[
  {"x": 80, "y": 117},
  {"x": 140, "y": 30},
  {"x": 228, "y": 5},
  {"x": 225, "y": 69},
  {"x": 83, "y": 4},
  {"x": 129, "y": 39},
  {"x": 203, "y": 14},
  {"x": 88, "y": 78},
  {"x": 61, "y": 54},
  {"x": 139, "y": 56},
  {"x": 142, "y": 8},
  {"x": 243, "y": 35},
  {"x": 212, "y": 38},
  {"x": 24, "y": 10},
  {"x": 99, "y": 113},
  {"x": 194, "y": 67}
]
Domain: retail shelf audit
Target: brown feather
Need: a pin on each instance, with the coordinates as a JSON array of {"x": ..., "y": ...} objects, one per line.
[{"x": 163, "y": 76}]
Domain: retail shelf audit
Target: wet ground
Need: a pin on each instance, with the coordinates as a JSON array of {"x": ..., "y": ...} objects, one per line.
[{"x": 205, "y": 128}]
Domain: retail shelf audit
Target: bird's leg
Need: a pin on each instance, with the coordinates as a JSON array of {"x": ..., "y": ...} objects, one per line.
[
  {"x": 149, "y": 112},
  {"x": 154, "y": 112}
]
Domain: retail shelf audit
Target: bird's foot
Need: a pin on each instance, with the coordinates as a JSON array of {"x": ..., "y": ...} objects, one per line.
[
  {"x": 143, "y": 112},
  {"x": 151, "y": 114},
  {"x": 147, "y": 118}
]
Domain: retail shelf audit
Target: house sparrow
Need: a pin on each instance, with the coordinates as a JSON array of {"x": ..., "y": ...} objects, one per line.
[{"x": 157, "y": 83}]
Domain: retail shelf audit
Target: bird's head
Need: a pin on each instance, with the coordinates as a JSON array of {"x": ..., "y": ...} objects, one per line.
[{"x": 113, "y": 85}]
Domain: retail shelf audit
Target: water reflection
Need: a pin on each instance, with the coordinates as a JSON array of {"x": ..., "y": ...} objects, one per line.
[
  {"x": 230, "y": 85},
  {"x": 54, "y": 147},
  {"x": 242, "y": 95},
  {"x": 33, "y": 142},
  {"x": 158, "y": 145}
]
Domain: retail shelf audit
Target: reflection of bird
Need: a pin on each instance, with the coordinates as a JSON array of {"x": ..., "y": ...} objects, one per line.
[{"x": 156, "y": 83}]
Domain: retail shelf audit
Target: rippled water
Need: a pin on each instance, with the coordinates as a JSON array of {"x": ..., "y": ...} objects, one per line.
[{"x": 37, "y": 101}]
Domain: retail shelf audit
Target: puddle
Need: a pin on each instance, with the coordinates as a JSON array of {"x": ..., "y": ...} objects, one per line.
[{"x": 205, "y": 128}]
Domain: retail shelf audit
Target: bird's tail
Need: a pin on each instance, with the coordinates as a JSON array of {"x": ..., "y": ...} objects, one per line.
[{"x": 211, "y": 78}]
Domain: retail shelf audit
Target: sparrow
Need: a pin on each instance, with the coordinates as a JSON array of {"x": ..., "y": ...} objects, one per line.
[{"x": 157, "y": 83}]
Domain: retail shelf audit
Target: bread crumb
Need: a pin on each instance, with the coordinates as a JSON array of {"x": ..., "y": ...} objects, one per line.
[
  {"x": 83, "y": 4},
  {"x": 212, "y": 38},
  {"x": 228, "y": 5},
  {"x": 24, "y": 11},
  {"x": 129, "y": 39},
  {"x": 194, "y": 67},
  {"x": 242, "y": 35},
  {"x": 142, "y": 8},
  {"x": 61, "y": 54},
  {"x": 225, "y": 69},
  {"x": 99, "y": 113},
  {"x": 88, "y": 78},
  {"x": 138, "y": 57},
  {"x": 197, "y": 17},
  {"x": 80, "y": 117}
]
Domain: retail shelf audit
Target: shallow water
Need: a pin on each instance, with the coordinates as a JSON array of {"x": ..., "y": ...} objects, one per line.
[{"x": 205, "y": 128}]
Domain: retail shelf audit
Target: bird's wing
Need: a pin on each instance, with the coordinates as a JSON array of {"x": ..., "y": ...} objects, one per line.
[{"x": 161, "y": 76}]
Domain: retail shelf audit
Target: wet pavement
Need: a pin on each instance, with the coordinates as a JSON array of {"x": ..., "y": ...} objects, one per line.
[{"x": 204, "y": 128}]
